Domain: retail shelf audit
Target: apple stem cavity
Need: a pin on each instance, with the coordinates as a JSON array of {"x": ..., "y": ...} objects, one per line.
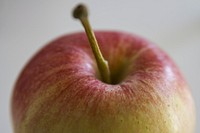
[{"x": 80, "y": 12}]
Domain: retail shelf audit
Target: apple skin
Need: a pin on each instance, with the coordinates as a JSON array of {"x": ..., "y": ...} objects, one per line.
[{"x": 59, "y": 90}]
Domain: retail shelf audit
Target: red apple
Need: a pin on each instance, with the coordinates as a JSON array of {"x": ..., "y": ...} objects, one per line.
[{"x": 60, "y": 90}]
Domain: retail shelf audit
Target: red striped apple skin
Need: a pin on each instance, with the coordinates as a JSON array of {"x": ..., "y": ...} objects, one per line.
[{"x": 59, "y": 90}]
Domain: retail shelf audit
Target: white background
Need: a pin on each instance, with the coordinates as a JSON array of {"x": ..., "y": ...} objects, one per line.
[{"x": 26, "y": 25}]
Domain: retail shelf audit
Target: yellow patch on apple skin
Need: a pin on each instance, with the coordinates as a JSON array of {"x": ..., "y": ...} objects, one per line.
[
  {"x": 26, "y": 126},
  {"x": 182, "y": 111},
  {"x": 142, "y": 118}
]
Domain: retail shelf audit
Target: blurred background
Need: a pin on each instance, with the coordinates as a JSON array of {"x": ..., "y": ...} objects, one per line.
[{"x": 27, "y": 25}]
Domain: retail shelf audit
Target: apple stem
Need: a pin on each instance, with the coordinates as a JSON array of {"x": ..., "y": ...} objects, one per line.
[{"x": 81, "y": 13}]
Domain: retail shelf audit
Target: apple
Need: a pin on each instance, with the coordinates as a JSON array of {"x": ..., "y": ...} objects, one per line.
[{"x": 125, "y": 84}]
